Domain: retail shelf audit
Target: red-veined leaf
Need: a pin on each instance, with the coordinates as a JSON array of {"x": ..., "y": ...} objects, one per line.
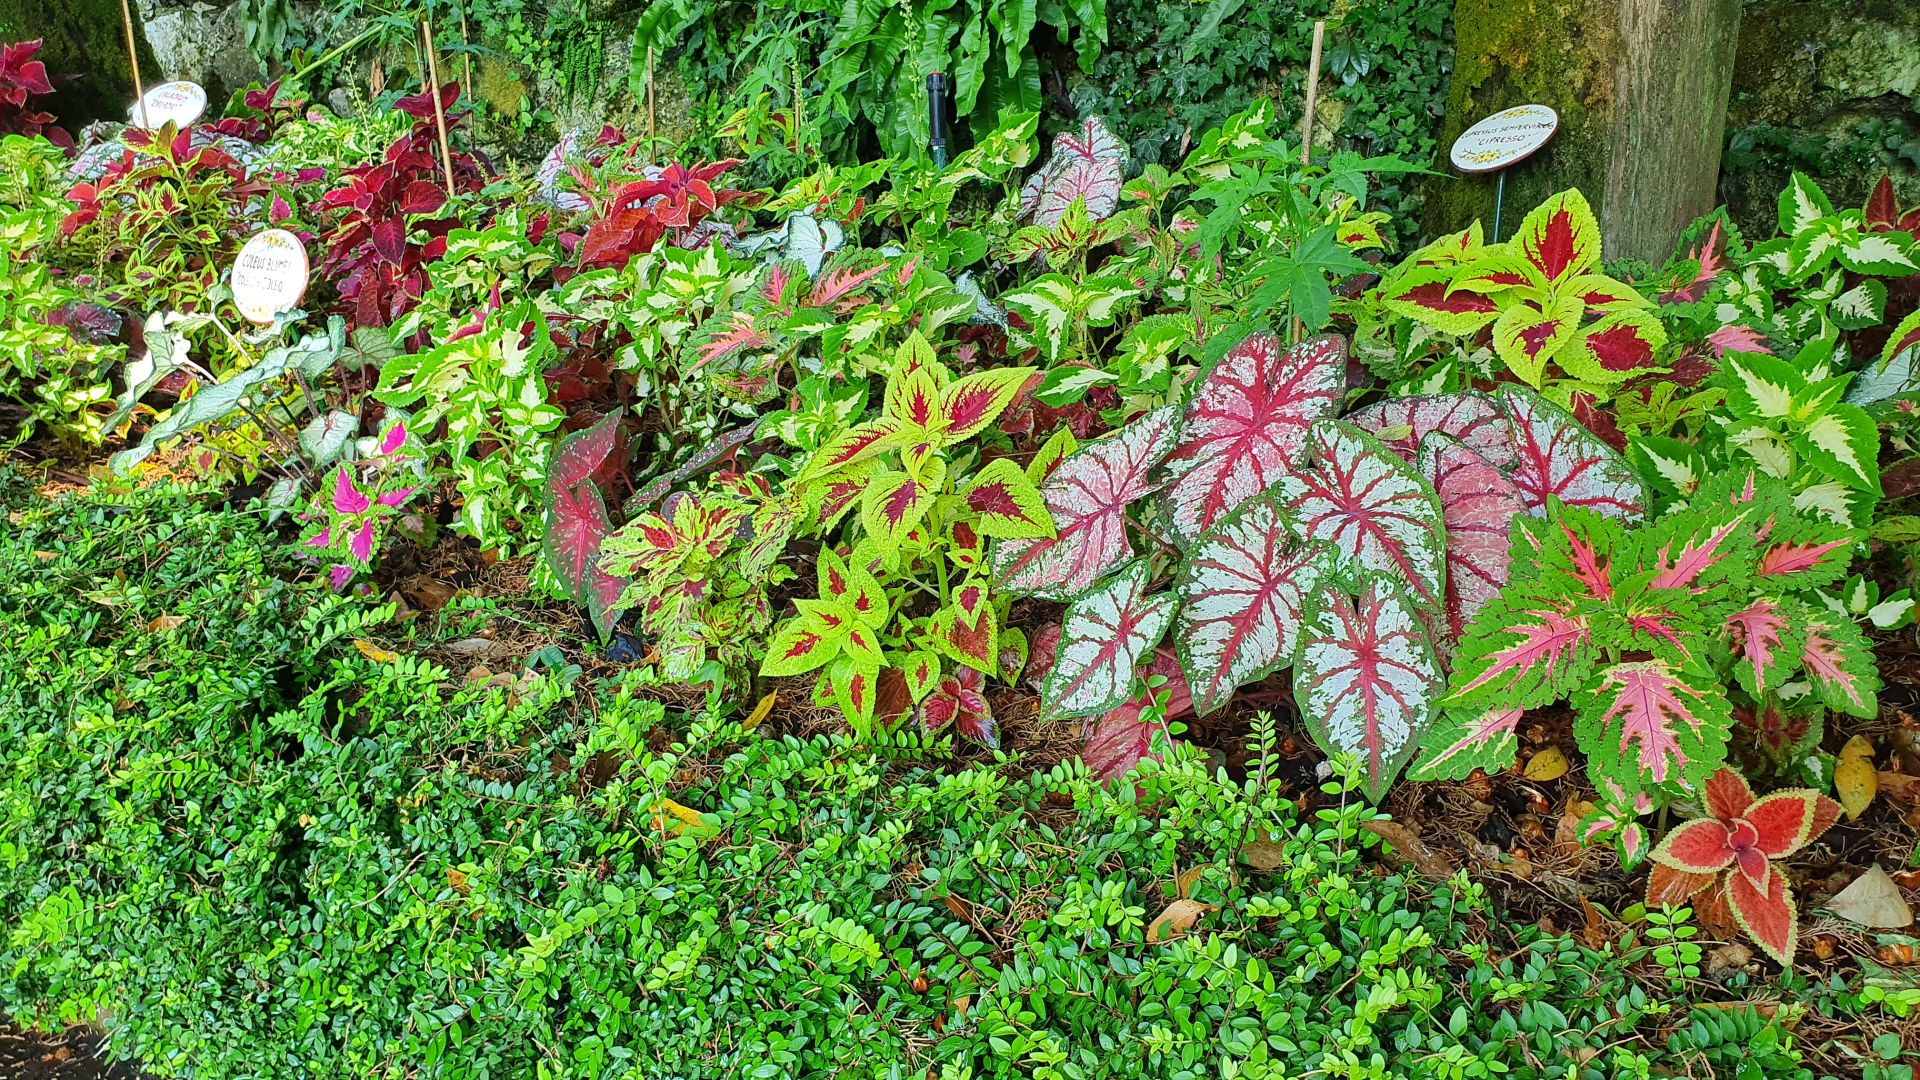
[
  {"x": 921, "y": 670},
  {"x": 1560, "y": 237},
  {"x": 1373, "y": 509},
  {"x": 1462, "y": 740},
  {"x": 1478, "y": 505},
  {"x": 1103, "y": 635},
  {"x": 1839, "y": 665},
  {"x": 1247, "y": 422},
  {"x": 1667, "y": 887},
  {"x": 1005, "y": 504},
  {"x": 969, "y": 404},
  {"x": 1469, "y": 416},
  {"x": 858, "y": 444},
  {"x": 853, "y": 683},
  {"x": 577, "y": 521},
  {"x": 1652, "y": 723},
  {"x": 1117, "y": 740},
  {"x": 1366, "y": 679},
  {"x": 967, "y": 628},
  {"x": 1527, "y": 336},
  {"x": 1426, "y": 295},
  {"x": 1557, "y": 458},
  {"x": 1087, "y": 163},
  {"x": 1243, "y": 589},
  {"x": 1088, "y": 495},
  {"x": 852, "y": 586}
]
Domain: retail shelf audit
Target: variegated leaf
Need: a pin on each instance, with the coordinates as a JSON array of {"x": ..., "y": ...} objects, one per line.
[
  {"x": 1560, "y": 238},
  {"x": 1520, "y": 652},
  {"x": 967, "y": 405},
  {"x": 1527, "y": 337},
  {"x": 1462, "y": 740},
  {"x": 1366, "y": 678},
  {"x": 1765, "y": 644},
  {"x": 895, "y": 502},
  {"x": 1478, "y": 505},
  {"x": 1243, "y": 589},
  {"x": 1469, "y": 416},
  {"x": 1839, "y": 664},
  {"x": 1651, "y": 723},
  {"x": 1088, "y": 163},
  {"x": 1104, "y": 633},
  {"x": 1246, "y": 423},
  {"x": 1372, "y": 508},
  {"x": 1005, "y": 504},
  {"x": 1555, "y": 457}
]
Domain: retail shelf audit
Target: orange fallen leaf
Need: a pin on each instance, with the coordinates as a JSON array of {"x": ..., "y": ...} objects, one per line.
[
  {"x": 1178, "y": 918},
  {"x": 160, "y": 624}
]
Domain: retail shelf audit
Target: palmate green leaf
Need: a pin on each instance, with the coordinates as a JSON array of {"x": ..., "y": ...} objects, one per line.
[
  {"x": 1303, "y": 278},
  {"x": 1652, "y": 724}
]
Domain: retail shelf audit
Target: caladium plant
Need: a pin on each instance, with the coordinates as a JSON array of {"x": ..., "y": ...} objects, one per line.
[
  {"x": 1087, "y": 165},
  {"x": 1725, "y": 862}
]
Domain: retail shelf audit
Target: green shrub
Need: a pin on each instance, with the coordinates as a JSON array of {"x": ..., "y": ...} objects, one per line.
[{"x": 258, "y": 853}]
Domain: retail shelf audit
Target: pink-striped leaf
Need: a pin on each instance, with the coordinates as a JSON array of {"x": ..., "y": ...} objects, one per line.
[
  {"x": 1706, "y": 549},
  {"x": 1765, "y": 643},
  {"x": 1478, "y": 505},
  {"x": 1373, "y": 509},
  {"x": 1839, "y": 664},
  {"x": 1366, "y": 678},
  {"x": 1243, "y": 590},
  {"x": 1520, "y": 652},
  {"x": 1651, "y": 723},
  {"x": 1087, "y": 495},
  {"x": 1462, "y": 740},
  {"x": 1804, "y": 552},
  {"x": 577, "y": 521},
  {"x": 1469, "y": 416},
  {"x": 1554, "y": 457},
  {"x": 1104, "y": 633},
  {"x": 1247, "y": 422},
  {"x": 1087, "y": 163}
]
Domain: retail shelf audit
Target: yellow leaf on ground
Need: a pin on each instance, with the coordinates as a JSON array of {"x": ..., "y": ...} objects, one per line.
[
  {"x": 374, "y": 652},
  {"x": 760, "y": 712},
  {"x": 682, "y": 820},
  {"x": 1548, "y": 764},
  {"x": 1177, "y": 919},
  {"x": 1854, "y": 781}
]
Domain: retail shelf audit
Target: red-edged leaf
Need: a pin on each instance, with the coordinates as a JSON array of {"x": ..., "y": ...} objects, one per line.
[
  {"x": 1103, "y": 635},
  {"x": 1667, "y": 887},
  {"x": 1521, "y": 653},
  {"x": 1088, "y": 495},
  {"x": 1005, "y": 504},
  {"x": 1373, "y": 509},
  {"x": 1366, "y": 679},
  {"x": 1246, "y": 422},
  {"x": 969, "y": 404},
  {"x": 1764, "y": 643},
  {"x": 1469, "y": 416},
  {"x": 1648, "y": 723},
  {"x": 1560, "y": 237},
  {"x": 1786, "y": 821},
  {"x": 1557, "y": 458},
  {"x": 960, "y": 700},
  {"x": 1426, "y": 295},
  {"x": 852, "y": 586},
  {"x": 1700, "y": 846},
  {"x": 1839, "y": 665},
  {"x": 1087, "y": 163},
  {"x": 1243, "y": 589},
  {"x": 1463, "y": 740},
  {"x": 1768, "y": 916},
  {"x": 1478, "y": 505}
]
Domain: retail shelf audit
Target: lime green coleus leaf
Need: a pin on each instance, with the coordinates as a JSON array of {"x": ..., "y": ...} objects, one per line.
[
  {"x": 895, "y": 502},
  {"x": 1005, "y": 503}
]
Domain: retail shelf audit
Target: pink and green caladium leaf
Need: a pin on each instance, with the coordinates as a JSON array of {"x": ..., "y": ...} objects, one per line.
[
  {"x": 1469, "y": 416},
  {"x": 1105, "y": 631},
  {"x": 1243, "y": 590},
  {"x": 1462, "y": 740},
  {"x": 577, "y": 521},
  {"x": 1087, "y": 494},
  {"x": 1839, "y": 663},
  {"x": 1653, "y": 724},
  {"x": 1366, "y": 678},
  {"x": 1374, "y": 510},
  {"x": 1555, "y": 457},
  {"x": 1478, "y": 505},
  {"x": 1246, "y": 423},
  {"x": 1005, "y": 504},
  {"x": 1088, "y": 163},
  {"x": 1522, "y": 651}
]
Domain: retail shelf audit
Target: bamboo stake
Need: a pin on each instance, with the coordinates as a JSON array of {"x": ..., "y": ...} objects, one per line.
[
  {"x": 439, "y": 114},
  {"x": 1306, "y": 120},
  {"x": 133, "y": 63}
]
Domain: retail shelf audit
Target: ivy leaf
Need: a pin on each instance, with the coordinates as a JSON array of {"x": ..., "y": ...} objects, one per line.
[
  {"x": 1649, "y": 724},
  {"x": 1366, "y": 678},
  {"x": 1246, "y": 423},
  {"x": 1373, "y": 509},
  {"x": 1555, "y": 457},
  {"x": 1243, "y": 589},
  {"x": 1104, "y": 633}
]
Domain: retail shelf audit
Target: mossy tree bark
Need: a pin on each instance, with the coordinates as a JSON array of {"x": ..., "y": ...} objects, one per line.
[
  {"x": 1641, "y": 88},
  {"x": 86, "y": 39}
]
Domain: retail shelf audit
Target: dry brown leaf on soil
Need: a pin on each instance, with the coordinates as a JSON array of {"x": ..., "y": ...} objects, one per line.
[
  {"x": 162, "y": 623},
  {"x": 1407, "y": 845},
  {"x": 1872, "y": 900},
  {"x": 1178, "y": 918},
  {"x": 1184, "y": 883},
  {"x": 1263, "y": 856}
]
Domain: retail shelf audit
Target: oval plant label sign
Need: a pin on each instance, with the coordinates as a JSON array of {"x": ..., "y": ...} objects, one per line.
[
  {"x": 269, "y": 275},
  {"x": 1505, "y": 138},
  {"x": 176, "y": 103}
]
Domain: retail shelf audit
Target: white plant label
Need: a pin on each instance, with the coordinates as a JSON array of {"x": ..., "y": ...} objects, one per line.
[
  {"x": 269, "y": 276},
  {"x": 176, "y": 103},
  {"x": 1504, "y": 139}
]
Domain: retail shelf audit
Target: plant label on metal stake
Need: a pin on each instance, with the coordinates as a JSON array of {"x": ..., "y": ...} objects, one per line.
[
  {"x": 1502, "y": 141},
  {"x": 269, "y": 275},
  {"x": 176, "y": 103}
]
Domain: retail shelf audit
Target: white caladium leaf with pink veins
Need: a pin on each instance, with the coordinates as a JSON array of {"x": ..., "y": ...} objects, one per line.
[
  {"x": 1087, "y": 495},
  {"x": 1478, "y": 504},
  {"x": 1374, "y": 510},
  {"x": 1555, "y": 456},
  {"x": 1088, "y": 163},
  {"x": 1366, "y": 678},
  {"x": 1105, "y": 631},
  {"x": 1243, "y": 590},
  {"x": 1246, "y": 423},
  {"x": 1469, "y": 416}
]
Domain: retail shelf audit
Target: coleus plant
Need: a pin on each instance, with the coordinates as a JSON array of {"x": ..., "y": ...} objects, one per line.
[
  {"x": 1551, "y": 312},
  {"x": 1647, "y": 631},
  {"x": 366, "y": 498},
  {"x": 924, "y": 508},
  {"x": 1725, "y": 862},
  {"x": 23, "y": 78}
]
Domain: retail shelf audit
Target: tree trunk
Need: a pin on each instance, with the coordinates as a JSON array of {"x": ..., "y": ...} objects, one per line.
[
  {"x": 1641, "y": 88},
  {"x": 85, "y": 39}
]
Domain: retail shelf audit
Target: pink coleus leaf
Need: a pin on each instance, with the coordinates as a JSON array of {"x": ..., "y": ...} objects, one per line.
[
  {"x": 577, "y": 522},
  {"x": 1087, "y": 495},
  {"x": 1839, "y": 664},
  {"x": 1463, "y": 740},
  {"x": 360, "y": 544},
  {"x": 348, "y": 499},
  {"x": 1373, "y": 509},
  {"x": 1103, "y": 635},
  {"x": 393, "y": 440},
  {"x": 1477, "y": 505},
  {"x": 1247, "y": 422},
  {"x": 1651, "y": 723},
  {"x": 1468, "y": 416},
  {"x": 1366, "y": 678},
  {"x": 1087, "y": 163},
  {"x": 1554, "y": 457},
  {"x": 1765, "y": 644},
  {"x": 1120, "y": 738},
  {"x": 1243, "y": 589},
  {"x": 1522, "y": 652},
  {"x": 1768, "y": 914}
]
